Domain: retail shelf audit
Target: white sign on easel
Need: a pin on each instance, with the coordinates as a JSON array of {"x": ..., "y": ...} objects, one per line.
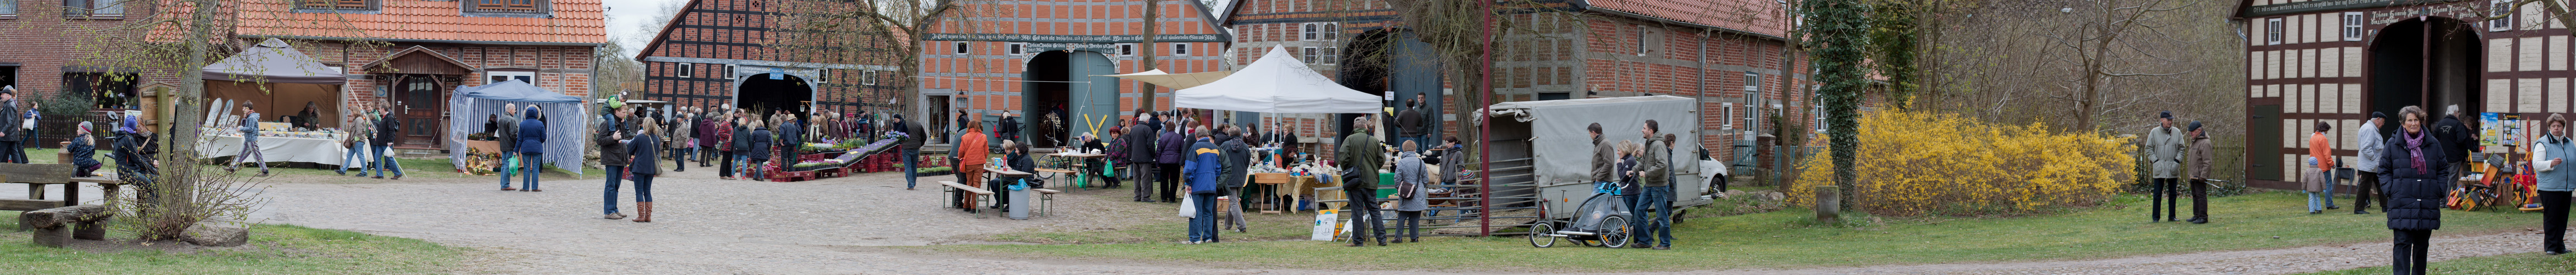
[{"x": 1325, "y": 227}]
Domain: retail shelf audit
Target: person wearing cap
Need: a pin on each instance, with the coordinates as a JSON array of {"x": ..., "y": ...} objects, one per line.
[
  {"x": 2366, "y": 167},
  {"x": 2200, "y": 156},
  {"x": 2164, "y": 152},
  {"x": 84, "y": 152}
]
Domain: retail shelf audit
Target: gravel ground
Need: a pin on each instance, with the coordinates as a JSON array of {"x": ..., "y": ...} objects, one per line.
[{"x": 860, "y": 225}]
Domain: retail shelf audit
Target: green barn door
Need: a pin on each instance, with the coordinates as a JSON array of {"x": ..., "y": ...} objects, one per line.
[
  {"x": 2263, "y": 142},
  {"x": 1095, "y": 97}
]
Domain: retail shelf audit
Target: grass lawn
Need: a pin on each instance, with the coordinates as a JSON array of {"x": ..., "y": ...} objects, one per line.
[
  {"x": 2523, "y": 263},
  {"x": 273, "y": 249},
  {"x": 1783, "y": 239}
]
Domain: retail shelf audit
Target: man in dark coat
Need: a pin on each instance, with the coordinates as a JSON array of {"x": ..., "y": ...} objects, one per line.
[
  {"x": 1174, "y": 146},
  {"x": 707, "y": 128},
  {"x": 1238, "y": 164},
  {"x": 1360, "y": 157},
  {"x": 2417, "y": 182},
  {"x": 1142, "y": 152},
  {"x": 791, "y": 137},
  {"x": 506, "y": 135},
  {"x": 1010, "y": 127},
  {"x": 388, "y": 133},
  {"x": 10, "y": 117},
  {"x": 2458, "y": 139},
  {"x": 1409, "y": 123},
  {"x": 613, "y": 133},
  {"x": 912, "y": 141}
]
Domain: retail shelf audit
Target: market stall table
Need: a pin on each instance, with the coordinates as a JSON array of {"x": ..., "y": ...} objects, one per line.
[{"x": 277, "y": 149}]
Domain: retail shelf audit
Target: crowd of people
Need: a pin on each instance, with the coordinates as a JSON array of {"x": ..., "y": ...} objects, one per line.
[{"x": 633, "y": 140}]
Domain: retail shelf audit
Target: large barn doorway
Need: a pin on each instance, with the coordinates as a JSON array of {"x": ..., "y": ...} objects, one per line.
[
  {"x": 768, "y": 93},
  {"x": 1381, "y": 62},
  {"x": 1065, "y": 96},
  {"x": 2431, "y": 62}
]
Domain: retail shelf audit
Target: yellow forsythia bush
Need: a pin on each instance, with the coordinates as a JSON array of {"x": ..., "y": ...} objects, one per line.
[{"x": 1913, "y": 163}]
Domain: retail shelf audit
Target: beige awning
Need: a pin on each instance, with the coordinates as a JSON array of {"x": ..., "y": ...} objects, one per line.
[{"x": 1175, "y": 81}]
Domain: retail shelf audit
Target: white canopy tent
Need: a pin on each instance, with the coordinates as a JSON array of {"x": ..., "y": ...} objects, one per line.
[
  {"x": 1175, "y": 81},
  {"x": 1276, "y": 83}
]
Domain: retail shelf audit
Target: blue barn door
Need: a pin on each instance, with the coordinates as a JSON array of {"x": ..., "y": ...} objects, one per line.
[{"x": 1415, "y": 72}]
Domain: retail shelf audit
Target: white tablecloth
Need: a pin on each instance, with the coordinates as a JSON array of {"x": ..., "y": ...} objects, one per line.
[{"x": 278, "y": 149}]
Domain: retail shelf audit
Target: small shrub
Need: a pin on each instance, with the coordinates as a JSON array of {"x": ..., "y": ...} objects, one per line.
[{"x": 1923, "y": 163}]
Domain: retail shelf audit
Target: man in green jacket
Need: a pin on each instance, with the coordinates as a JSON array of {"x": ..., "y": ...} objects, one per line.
[
  {"x": 1652, "y": 166},
  {"x": 1360, "y": 156}
]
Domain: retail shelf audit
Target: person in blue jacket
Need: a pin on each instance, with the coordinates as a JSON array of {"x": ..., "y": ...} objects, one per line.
[
  {"x": 532, "y": 146},
  {"x": 645, "y": 166},
  {"x": 1200, "y": 169}
]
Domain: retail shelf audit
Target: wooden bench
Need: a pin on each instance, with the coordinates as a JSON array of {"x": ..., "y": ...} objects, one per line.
[
  {"x": 36, "y": 177},
  {"x": 55, "y": 227},
  {"x": 1046, "y": 201},
  {"x": 1059, "y": 173},
  {"x": 980, "y": 196}
]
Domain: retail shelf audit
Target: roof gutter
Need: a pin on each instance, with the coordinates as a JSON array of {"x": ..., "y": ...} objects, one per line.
[
  {"x": 517, "y": 43},
  {"x": 1597, "y": 8}
]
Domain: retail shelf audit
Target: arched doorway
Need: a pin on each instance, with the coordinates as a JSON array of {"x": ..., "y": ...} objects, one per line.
[
  {"x": 761, "y": 94},
  {"x": 2432, "y": 62},
  {"x": 1065, "y": 95}
]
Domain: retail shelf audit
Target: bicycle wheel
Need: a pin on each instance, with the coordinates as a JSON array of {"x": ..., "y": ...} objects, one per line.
[
  {"x": 1614, "y": 232},
  {"x": 1539, "y": 235}
]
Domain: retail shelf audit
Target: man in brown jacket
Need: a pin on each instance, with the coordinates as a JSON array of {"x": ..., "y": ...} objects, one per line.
[
  {"x": 2200, "y": 155},
  {"x": 1605, "y": 159}
]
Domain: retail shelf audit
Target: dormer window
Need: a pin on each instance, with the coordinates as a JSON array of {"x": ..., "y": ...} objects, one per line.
[
  {"x": 508, "y": 8},
  {"x": 338, "y": 4}
]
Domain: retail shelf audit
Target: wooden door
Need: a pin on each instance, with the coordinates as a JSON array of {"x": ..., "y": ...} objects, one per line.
[{"x": 420, "y": 106}]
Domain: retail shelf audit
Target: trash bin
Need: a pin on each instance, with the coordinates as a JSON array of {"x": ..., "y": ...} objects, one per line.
[{"x": 1020, "y": 204}]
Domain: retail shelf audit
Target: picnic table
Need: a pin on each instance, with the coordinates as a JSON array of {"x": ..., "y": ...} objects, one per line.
[{"x": 1077, "y": 162}]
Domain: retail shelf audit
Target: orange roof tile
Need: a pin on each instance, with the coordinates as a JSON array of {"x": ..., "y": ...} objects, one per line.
[
  {"x": 573, "y": 21},
  {"x": 1754, "y": 16}
]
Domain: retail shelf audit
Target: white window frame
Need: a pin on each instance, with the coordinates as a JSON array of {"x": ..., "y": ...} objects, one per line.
[
  {"x": 2352, "y": 26},
  {"x": 1311, "y": 54},
  {"x": 685, "y": 69},
  {"x": 1730, "y": 117},
  {"x": 961, "y": 48},
  {"x": 1128, "y": 49},
  {"x": 1308, "y": 31},
  {"x": 2504, "y": 9},
  {"x": 1332, "y": 55},
  {"x": 1016, "y": 48},
  {"x": 822, "y": 75},
  {"x": 490, "y": 77},
  {"x": 1752, "y": 82},
  {"x": 728, "y": 72},
  {"x": 1180, "y": 49},
  {"x": 868, "y": 77},
  {"x": 2272, "y": 32},
  {"x": 1644, "y": 34}
]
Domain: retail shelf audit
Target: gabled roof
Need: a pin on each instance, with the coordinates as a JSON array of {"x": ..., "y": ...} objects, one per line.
[
  {"x": 664, "y": 35},
  {"x": 423, "y": 52},
  {"x": 574, "y": 22}
]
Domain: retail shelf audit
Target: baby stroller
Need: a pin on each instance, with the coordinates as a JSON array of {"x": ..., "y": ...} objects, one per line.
[{"x": 1602, "y": 221}]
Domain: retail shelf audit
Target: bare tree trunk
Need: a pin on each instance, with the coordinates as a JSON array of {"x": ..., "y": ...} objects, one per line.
[{"x": 1153, "y": 8}]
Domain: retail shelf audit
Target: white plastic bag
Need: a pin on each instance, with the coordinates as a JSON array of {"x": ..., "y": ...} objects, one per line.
[{"x": 1186, "y": 210}]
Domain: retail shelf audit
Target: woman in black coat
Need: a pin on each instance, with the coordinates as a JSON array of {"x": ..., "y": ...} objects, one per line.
[
  {"x": 2416, "y": 181},
  {"x": 760, "y": 150}
]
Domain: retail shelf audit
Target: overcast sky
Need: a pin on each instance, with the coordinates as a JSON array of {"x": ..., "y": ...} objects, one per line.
[{"x": 627, "y": 20}]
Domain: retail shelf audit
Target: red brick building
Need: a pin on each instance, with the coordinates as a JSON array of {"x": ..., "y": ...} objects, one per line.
[
  {"x": 743, "y": 53},
  {"x": 42, "y": 53},
  {"x": 1726, "y": 52},
  {"x": 426, "y": 49},
  {"x": 1031, "y": 58}
]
